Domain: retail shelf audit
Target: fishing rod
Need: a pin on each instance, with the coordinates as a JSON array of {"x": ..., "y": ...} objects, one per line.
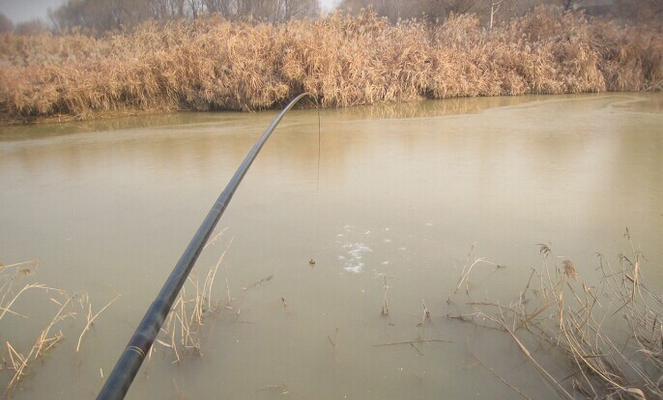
[{"x": 139, "y": 345}]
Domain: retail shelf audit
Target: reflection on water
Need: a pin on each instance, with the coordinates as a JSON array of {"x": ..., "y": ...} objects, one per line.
[
  {"x": 17, "y": 132},
  {"x": 424, "y": 109},
  {"x": 404, "y": 191},
  {"x": 419, "y": 109}
]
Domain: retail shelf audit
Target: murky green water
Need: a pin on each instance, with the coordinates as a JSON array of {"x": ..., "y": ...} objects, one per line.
[{"x": 403, "y": 191}]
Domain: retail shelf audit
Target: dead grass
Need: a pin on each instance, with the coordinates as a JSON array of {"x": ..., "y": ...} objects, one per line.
[
  {"x": 212, "y": 64},
  {"x": 180, "y": 334},
  {"x": 609, "y": 333},
  {"x": 76, "y": 315},
  {"x": 18, "y": 354}
]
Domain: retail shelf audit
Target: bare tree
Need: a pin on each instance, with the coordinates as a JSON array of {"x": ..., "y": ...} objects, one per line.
[
  {"x": 569, "y": 4},
  {"x": 640, "y": 10},
  {"x": 103, "y": 15},
  {"x": 494, "y": 8},
  {"x": 403, "y": 9}
]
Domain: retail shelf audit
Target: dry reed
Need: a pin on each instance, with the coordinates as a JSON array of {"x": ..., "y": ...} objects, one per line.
[
  {"x": 181, "y": 331},
  {"x": 16, "y": 364},
  {"x": 610, "y": 334},
  {"x": 385, "y": 300},
  {"x": 213, "y": 64},
  {"x": 91, "y": 318}
]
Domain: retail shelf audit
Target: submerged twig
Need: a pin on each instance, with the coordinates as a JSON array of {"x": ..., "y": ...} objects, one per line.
[{"x": 413, "y": 341}]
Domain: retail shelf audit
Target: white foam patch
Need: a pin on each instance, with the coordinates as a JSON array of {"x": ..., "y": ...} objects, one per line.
[
  {"x": 355, "y": 269},
  {"x": 355, "y": 254}
]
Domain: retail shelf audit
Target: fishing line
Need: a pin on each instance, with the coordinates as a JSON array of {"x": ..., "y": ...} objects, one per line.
[
  {"x": 317, "y": 107},
  {"x": 316, "y": 200}
]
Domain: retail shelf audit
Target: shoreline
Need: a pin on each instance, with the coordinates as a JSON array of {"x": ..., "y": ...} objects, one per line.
[
  {"x": 105, "y": 116},
  {"x": 213, "y": 64}
]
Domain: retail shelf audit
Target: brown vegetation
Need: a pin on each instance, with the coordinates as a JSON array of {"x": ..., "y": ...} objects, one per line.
[
  {"x": 214, "y": 64},
  {"x": 180, "y": 335},
  {"x": 609, "y": 333},
  {"x": 181, "y": 331},
  {"x": 20, "y": 352}
]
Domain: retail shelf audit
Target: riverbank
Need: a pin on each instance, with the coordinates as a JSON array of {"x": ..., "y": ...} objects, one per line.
[{"x": 212, "y": 64}]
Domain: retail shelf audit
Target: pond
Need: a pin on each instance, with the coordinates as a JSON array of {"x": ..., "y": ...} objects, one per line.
[{"x": 403, "y": 194}]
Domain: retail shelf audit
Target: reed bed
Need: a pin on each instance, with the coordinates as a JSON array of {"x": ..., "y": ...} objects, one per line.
[
  {"x": 213, "y": 64},
  {"x": 608, "y": 334}
]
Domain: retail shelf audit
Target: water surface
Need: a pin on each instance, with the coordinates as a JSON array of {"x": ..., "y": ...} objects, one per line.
[{"x": 401, "y": 190}]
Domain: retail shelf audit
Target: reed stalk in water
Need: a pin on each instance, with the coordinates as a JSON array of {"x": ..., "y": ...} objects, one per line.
[
  {"x": 610, "y": 332},
  {"x": 385, "y": 299},
  {"x": 181, "y": 331},
  {"x": 15, "y": 286}
]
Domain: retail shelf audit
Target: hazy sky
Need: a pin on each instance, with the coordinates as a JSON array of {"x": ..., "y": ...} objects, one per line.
[
  {"x": 23, "y": 10},
  {"x": 329, "y": 4}
]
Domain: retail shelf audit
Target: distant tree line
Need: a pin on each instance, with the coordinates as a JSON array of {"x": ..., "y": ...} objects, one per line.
[
  {"x": 23, "y": 28},
  {"x": 490, "y": 10},
  {"x": 106, "y": 15},
  {"x": 103, "y": 15},
  {"x": 439, "y": 10}
]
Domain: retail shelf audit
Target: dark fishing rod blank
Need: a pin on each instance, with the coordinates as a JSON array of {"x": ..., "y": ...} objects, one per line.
[{"x": 129, "y": 363}]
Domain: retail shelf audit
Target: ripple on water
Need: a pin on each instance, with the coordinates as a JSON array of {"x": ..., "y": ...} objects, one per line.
[{"x": 353, "y": 259}]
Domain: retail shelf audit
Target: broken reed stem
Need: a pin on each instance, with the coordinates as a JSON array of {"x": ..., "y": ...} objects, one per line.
[
  {"x": 333, "y": 341},
  {"x": 180, "y": 333},
  {"x": 37, "y": 348},
  {"x": 4, "y": 268},
  {"x": 465, "y": 276},
  {"x": 258, "y": 282},
  {"x": 499, "y": 377},
  {"x": 44, "y": 333},
  {"x": 91, "y": 319},
  {"x": 12, "y": 312},
  {"x": 414, "y": 341},
  {"x": 426, "y": 313},
  {"x": 385, "y": 300},
  {"x": 549, "y": 378},
  {"x": 46, "y": 340},
  {"x": 229, "y": 298},
  {"x": 213, "y": 276},
  {"x": 7, "y": 307},
  {"x": 214, "y": 238}
]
